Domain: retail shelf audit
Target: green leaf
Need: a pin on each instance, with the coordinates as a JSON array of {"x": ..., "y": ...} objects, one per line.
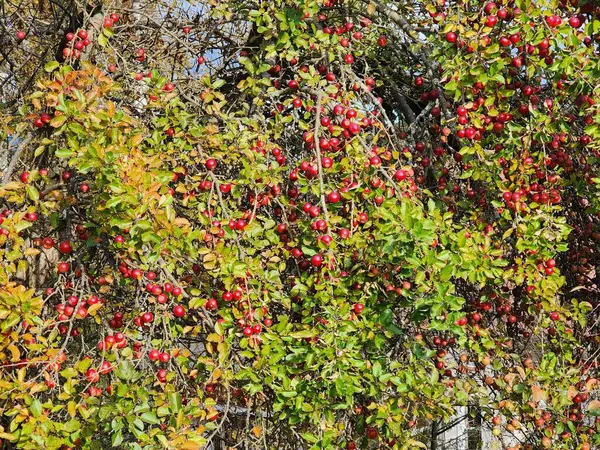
[
  {"x": 117, "y": 438},
  {"x": 175, "y": 401},
  {"x": 125, "y": 370},
  {"x": 114, "y": 201},
  {"x": 385, "y": 318},
  {"x": 150, "y": 417},
  {"x": 33, "y": 193},
  {"x": 303, "y": 334},
  {"x": 57, "y": 121},
  {"x": 36, "y": 408},
  {"x": 63, "y": 153},
  {"x": 102, "y": 40},
  {"x": 377, "y": 370},
  {"x": 394, "y": 329},
  {"x": 51, "y": 66}
]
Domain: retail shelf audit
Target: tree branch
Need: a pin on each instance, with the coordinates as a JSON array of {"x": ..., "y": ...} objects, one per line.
[{"x": 15, "y": 159}]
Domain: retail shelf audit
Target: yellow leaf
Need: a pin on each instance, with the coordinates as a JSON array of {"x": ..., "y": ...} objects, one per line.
[
  {"x": 216, "y": 374},
  {"x": 31, "y": 252},
  {"x": 257, "y": 431},
  {"x": 12, "y": 186},
  {"x": 16, "y": 354},
  {"x": 137, "y": 139},
  {"x": 110, "y": 109},
  {"x": 93, "y": 308},
  {"x": 189, "y": 445},
  {"x": 371, "y": 9},
  {"x": 72, "y": 408},
  {"x": 38, "y": 387}
]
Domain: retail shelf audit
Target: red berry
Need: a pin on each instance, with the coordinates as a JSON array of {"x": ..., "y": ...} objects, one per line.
[
  {"x": 147, "y": 317},
  {"x": 92, "y": 376},
  {"x": 178, "y": 311},
  {"x": 316, "y": 260},
  {"x": 574, "y": 22},
  {"x": 451, "y": 37}
]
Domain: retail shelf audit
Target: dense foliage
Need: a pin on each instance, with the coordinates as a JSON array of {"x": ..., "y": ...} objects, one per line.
[{"x": 298, "y": 224}]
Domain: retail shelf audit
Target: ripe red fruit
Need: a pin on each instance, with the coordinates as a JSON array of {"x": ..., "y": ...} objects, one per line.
[
  {"x": 24, "y": 177},
  {"x": 555, "y": 316},
  {"x": 400, "y": 175},
  {"x": 178, "y": 311},
  {"x": 505, "y": 42},
  {"x": 21, "y": 35},
  {"x": 333, "y": 197},
  {"x": 82, "y": 312},
  {"x": 451, "y": 37},
  {"x": 491, "y": 21},
  {"x": 358, "y": 308},
  {"x": 186, "y": 29},
  {"x": 63, "y": 267},
  {"x": 372, "y": 433},
  {"x": 92, "y": 376},
  {"x": 82, "y": 34},
  {"x": 147, "y": 317},
  {"x": 316, "y": 260},
  {"x": 382, "y": 41},
  {"x": 574, "y": 22},
  {"x": 108, "y": 22},
  {"x": 65, "y": 247},
  {"x": 349, "y": 59},
  {"x": 153, "y": 355},
  {"x": 247, "y": 331},
  {"x": 105, "y": 367},
  {"x": 212, "y": 304}
]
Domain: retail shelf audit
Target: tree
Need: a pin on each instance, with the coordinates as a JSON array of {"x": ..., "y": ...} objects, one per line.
[{"x": 285, "y": 224}]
